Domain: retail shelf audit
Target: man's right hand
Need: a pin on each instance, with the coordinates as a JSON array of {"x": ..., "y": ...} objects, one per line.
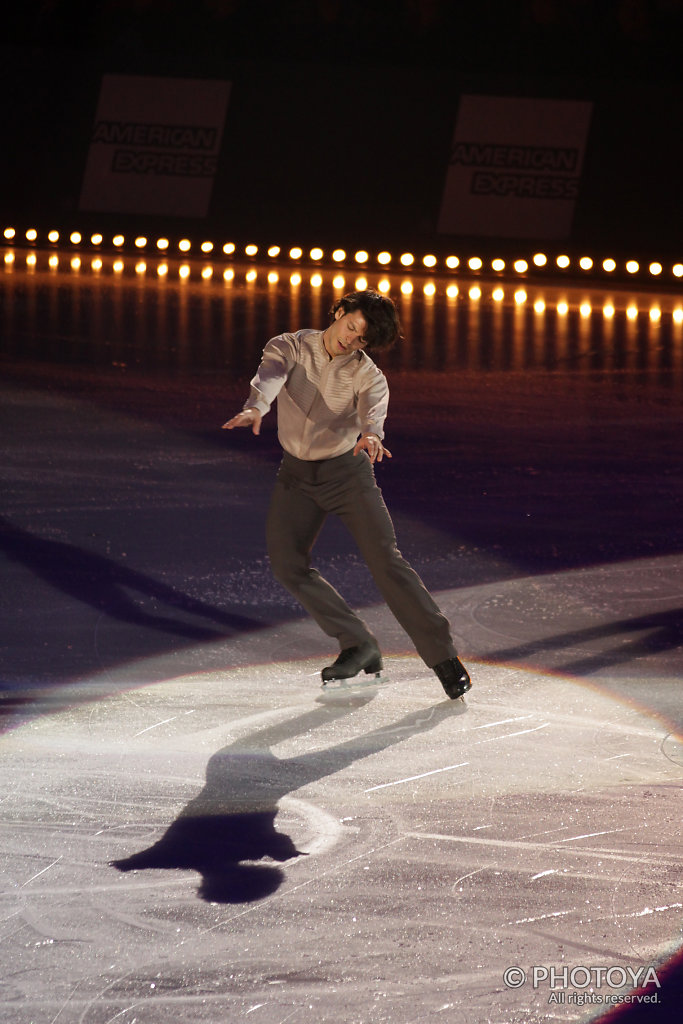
[{"x": 246, "y": 418}]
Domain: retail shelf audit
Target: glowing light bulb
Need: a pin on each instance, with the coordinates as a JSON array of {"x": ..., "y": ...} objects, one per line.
[
  {"x": 53, "y": 236},
  {"x": 498, "y": 265},
  {"x": 184, "y": 244},
  {"x": 32, "y": 234},
  {"x": 585, "y": 309},
  {"x": 384, "y": 258},
  {"x": 632, "y": 267},
  {"x": 316, "y": 254},
  {"x": 562, "y": 308},
  {"x": 608, "y": 311},
  {"x": 429, "y": 260},
  {"x": 118, "y": 241},
  {"x": 474, "y": 263},
  {"x": 251, "y": 250},
  {"x": 273, "y": 251},
  {"x": 162, "y": 243},
  {"x": 229, "y": 248},
  {"x": 407, "y": 259},
  {"x": 609, "y": 265},
  {"x": 452, "y": 262},
  {"x": 540, "y": 259},
  {"x": 339, "y": 255},
  {"x": 539, "y": 306},
  {"x": 656, "y": 269},
  {"x": 295, "y": 253},
  {"x": 521, "y": 266},
  {"x": 563, "y": 262},
  {"x": 362, "y": 256},
  {"x": 586, "y": 263},
  {"x": 140, "y": 242}
]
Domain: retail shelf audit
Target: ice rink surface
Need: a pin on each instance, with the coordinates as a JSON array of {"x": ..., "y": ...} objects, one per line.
[{"x": 193, "y": 829}]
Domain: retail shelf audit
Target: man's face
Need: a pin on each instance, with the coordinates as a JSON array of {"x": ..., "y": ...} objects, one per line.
[{"x": 346, "y": 333}]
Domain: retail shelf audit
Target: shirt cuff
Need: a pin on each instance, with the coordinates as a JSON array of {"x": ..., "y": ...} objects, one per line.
[{"x": 257, "y": 401}]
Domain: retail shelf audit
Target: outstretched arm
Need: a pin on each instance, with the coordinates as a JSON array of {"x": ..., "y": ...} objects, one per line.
[
  {"x": 246, "y": 418},
  {"x": 373, "y": 402},
  {"x": 279, "y": 357}
]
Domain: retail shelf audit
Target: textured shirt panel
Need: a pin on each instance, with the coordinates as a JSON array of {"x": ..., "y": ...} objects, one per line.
[{"x": 323, "y": 404}]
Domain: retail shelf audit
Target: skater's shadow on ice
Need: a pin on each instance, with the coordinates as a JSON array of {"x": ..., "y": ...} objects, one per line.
[
  {"x": 105, "y": 585},
  {"x": 233, "y": 818},
  {"x": 637, "y": 637}
]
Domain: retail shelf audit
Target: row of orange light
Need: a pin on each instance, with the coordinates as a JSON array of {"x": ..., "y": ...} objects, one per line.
[
  {"x": 362, "y": 257},
  {"x": 339, "y": 283}
]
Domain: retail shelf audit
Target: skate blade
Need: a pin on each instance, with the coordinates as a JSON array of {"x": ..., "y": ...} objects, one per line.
[{"x": 365, "y": 682}]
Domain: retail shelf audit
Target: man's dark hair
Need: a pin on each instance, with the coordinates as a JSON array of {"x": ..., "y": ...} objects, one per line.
[{"x": 384, "y": 326}]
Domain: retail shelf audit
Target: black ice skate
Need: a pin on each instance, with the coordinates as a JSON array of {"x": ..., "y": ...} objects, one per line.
[
  {"x": 365, "y": 657},
  {"x": 454, "y": 678}
]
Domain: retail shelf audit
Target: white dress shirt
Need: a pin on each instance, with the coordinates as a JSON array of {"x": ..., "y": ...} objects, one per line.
[{"x": 323, "y": 404}]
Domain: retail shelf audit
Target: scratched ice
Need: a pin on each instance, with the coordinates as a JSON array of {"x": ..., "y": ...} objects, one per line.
[{"x": 193, "y": 830}]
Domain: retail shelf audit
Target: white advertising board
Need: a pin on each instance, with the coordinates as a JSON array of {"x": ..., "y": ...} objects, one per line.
[
  {"x": 515, "y": 167},
  {"x": 155, "y": 145}
]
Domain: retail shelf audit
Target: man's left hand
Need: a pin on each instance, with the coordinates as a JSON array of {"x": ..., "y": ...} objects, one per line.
[{"x": 372, "y": 444}]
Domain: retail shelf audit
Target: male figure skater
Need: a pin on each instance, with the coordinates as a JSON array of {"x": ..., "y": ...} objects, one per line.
[{"x": 331, "y": 404}]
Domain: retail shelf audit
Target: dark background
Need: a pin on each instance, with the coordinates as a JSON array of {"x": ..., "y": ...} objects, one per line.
[{"x": 308, "y": 74}]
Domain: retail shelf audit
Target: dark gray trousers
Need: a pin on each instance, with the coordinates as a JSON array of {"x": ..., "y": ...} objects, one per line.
[{"x": 305, "y": 494}]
